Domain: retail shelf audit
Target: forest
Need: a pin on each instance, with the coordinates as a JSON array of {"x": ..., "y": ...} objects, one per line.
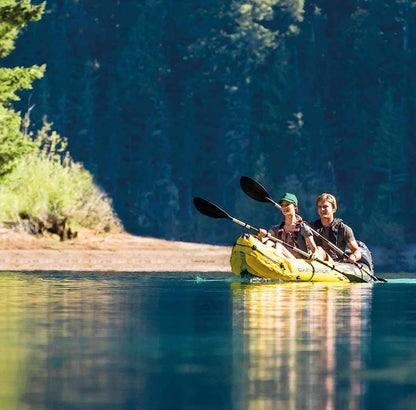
[{"x": 166, "y": 100}]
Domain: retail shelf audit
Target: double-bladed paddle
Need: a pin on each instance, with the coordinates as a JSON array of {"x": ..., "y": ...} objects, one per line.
[
  {"x": 257, "y": 191},
  {"x": 213, "y": 211}
]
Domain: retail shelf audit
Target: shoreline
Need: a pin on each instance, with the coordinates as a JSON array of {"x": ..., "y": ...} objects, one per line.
[
  {"x": 115, "y": 261},
  {"x": 122, "y": 252}
]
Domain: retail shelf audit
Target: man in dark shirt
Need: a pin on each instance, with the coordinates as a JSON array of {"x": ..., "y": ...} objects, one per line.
[{"x": 334, "y": 230}]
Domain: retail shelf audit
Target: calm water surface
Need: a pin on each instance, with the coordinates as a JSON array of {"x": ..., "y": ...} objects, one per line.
[{"x": 204, "y": 341}]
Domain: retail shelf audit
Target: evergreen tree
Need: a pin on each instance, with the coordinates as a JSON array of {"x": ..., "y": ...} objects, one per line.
[
  {"x": 13, "y": 142},
  {"x": 144, "y": 112},
  {"x": 389, "y": 154},
  {"x": 390, "y": 164},
  {"x": 85, "y": 114}
]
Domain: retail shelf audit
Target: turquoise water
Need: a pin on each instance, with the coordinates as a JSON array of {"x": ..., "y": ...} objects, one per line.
[{"x": 204, "y": 341}]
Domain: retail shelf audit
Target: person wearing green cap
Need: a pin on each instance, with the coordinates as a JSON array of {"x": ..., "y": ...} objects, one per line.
[{"x": 293, "y": 230}]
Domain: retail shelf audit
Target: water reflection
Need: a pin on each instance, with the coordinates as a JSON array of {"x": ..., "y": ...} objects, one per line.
[
  {"x": 302, "y": 344},
  {"x": 107, "y": 341},
  {"x": 59, "y": 341}
]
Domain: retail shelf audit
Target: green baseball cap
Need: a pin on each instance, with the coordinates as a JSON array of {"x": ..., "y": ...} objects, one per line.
[{"x": 288, "y": 197}]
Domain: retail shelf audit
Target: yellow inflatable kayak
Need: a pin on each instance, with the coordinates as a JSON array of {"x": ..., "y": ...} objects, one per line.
[{"x": 250, "y": 256}]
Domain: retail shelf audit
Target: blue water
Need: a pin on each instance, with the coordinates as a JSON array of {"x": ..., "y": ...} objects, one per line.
[{"x": 204, "y": 341}]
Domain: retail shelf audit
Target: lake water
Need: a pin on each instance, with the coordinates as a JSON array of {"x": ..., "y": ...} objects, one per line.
[{"x": 204, "y": 341}]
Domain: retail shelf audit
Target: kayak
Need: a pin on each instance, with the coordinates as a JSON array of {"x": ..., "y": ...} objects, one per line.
[{"x": 250, "y": 257}]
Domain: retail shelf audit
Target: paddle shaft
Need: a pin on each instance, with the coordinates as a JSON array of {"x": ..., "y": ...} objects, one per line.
[
  {"x": 243, "y": 224},
  {"x": 269, "y": 236}
]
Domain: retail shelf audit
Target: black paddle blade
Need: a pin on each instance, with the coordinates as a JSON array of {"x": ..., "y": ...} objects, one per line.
[
  {"x": 254, "y": 190},
  {"x": 209, "y": 209}
]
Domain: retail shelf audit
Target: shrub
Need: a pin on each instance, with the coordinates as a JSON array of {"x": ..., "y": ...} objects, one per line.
[{"x": 48, "y": 191}]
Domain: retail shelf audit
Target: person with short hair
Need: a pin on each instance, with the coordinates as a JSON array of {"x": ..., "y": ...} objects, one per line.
[
  {"x": 293, "y": 230},
  {"x": 334, "y": 230}
]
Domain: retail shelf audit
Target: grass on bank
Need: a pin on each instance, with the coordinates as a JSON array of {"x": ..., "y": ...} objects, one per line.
[{"x": 48, "y": 192}]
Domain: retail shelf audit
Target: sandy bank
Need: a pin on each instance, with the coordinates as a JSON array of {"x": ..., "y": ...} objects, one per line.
[{"x": 116, "y": 252}]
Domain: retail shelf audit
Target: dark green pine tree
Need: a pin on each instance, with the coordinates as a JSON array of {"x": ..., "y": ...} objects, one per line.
[
  {"x": 85, "y": 113},
  {"x": 390, "y": 166},
  {"x": 13, "y": 142},
  {"x": 256, "y": 31},
  {"x": 373, "y": 47},
  {"x": 390, "y": 153},
  {"x": 150, "y": 192},
  {"x": 185, "y": 145}
]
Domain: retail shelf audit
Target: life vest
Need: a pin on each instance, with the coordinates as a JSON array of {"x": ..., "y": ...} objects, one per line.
[
  {"x": 296, "y": 239},
  {"x": 337, "y": 231}
]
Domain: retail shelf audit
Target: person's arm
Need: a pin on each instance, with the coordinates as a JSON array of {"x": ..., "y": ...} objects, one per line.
[
  {"x": 355, "y": 255},
  {"x": 306, "y": 232},
  {"x": 349, "y": 237},
  {"x": 263, "y": 236},
  {"x": 311, "y": 244}
]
